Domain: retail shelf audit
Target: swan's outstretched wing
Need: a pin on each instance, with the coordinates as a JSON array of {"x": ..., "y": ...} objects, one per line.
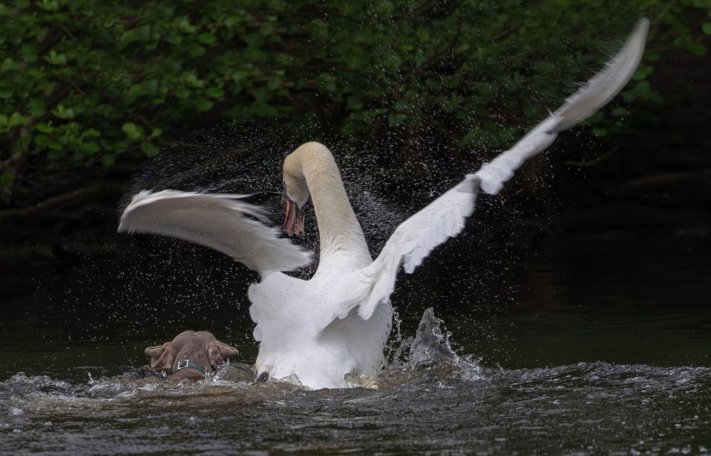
[
  {"x": 415, "y": 238},
  {"x": 221, "y": 222},
  {"x": 592, "y": 96},
  {"x": 409, "y": 245}
]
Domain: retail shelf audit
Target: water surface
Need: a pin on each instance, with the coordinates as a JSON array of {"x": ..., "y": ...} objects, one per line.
[{"x": 599, "y": 349}]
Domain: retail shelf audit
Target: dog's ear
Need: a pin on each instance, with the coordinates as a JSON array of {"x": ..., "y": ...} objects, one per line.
[
  {"x": 162, "y": 356},
  {"x": 220, "y": 352}
]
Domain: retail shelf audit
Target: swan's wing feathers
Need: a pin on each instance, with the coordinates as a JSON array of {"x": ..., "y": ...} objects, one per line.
[
  {"x": 603, "y": 87},
  {"x": 410, "y": 244},
  {"x": 417, "y": 236},
  {"x": 221, "y": 222},
  {"x": 592, "y": 96},
  {"x": 495, "y": 173}
]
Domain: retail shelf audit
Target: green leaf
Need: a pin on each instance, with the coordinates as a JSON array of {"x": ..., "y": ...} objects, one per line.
[
  {"x": 191, "y": 79},
  {"x": 36, "y": 107},
  {"x": 706, "y": 28},
  {"x": 108, "y": 160},
  {"x": 239, "y": 76},
  {"x": 643, "y": 72},
  {"x": 696, "y": 48},
  {"x": 91, "y": 133},
  {"x": 48, "y": 5},
  {"x": 155, "y": 133},
  {"x": 215, "y": 92},
  {"x": 89, "y": 148},
  {"x": 174, "y": 38},
  {"x": 203, "y": 104},
  {"x": 207, "y": 38},
  {"x": 132, "y": 130},
  {"x": 151, "y": 150},
  {"x": 181, "y": 93},
  {"x": 267, "y": 29},
  {"x": 62, "y": 112},
  {"x": 9, "y": 64},
  {"x": 56, "y": 58},
  {"x": 44, "y": 127},
  {"x": 264, "y": 110},
  {"x": 28, "y": 52},
  {"x": 114, "y": 147},
  {"x": 185, "y": 26},
  {"x": 138, "y": 34},
  {"x": 196, "y": 50},
  {"x": 16, "y": 119},
  {"x": 145, "y": 88}
]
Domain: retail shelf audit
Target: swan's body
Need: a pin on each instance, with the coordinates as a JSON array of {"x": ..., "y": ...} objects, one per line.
[
  {"x": 280, "y": 303},
  {"x": 337, "y": 323}
]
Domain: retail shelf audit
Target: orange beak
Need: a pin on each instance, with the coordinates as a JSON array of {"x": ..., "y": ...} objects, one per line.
[{"x": 293, "y": 219}]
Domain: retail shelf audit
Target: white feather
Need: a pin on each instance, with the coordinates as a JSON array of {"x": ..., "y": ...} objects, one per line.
[
  {"x": 409, "y": 245},
  {"x": 221, "y": 222},
  {"x": 592, "y": 96}
]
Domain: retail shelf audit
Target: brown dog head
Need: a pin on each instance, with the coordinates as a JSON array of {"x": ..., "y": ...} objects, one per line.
[{"x": 194, "y": 349}]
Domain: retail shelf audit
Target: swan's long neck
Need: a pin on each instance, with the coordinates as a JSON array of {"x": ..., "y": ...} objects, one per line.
[{"x": 340, "y": 232}]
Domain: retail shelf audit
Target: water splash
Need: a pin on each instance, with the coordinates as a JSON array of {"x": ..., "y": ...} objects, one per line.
[
  {"x": 428, "y": 357},
  {"x": 431, "y": 343}
]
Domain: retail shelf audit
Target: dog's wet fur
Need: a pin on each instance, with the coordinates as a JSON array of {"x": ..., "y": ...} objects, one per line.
[{"x": 192, "y": 355}]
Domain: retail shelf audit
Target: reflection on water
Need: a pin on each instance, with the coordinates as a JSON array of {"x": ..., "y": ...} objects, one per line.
[{"x": 604, "y": 350}]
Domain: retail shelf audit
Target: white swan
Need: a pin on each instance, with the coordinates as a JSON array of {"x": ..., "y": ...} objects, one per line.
[{"x": 337, "y": 323}]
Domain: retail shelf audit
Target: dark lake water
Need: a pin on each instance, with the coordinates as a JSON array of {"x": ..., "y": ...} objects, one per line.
[{"x": 587, "y": 348}]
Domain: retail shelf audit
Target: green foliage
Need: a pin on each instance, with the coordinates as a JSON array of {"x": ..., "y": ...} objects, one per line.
[{"x": 83, "y": 82}]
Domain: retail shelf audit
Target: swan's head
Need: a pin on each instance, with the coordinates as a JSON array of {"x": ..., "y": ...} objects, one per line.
[
  {"x": 296, "y": 194},
  {"x": 293, "y": 218},
  {"x": 310, "y": 164}
]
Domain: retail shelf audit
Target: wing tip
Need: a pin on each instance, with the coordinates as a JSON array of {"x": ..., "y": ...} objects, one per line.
[{"x": 642, "y": 26}]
